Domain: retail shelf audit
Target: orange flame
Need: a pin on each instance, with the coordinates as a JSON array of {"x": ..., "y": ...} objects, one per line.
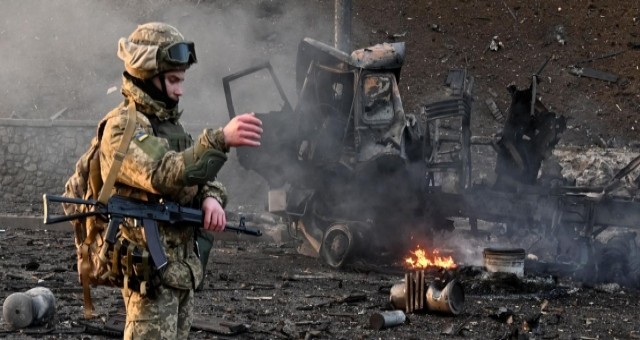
[{"x": 420, "y": 260}]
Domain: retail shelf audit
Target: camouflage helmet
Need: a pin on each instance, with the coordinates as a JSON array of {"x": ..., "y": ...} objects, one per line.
[{"x": 155, "y": 48}]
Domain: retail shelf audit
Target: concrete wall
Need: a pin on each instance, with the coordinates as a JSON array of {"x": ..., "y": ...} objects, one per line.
[{"x": 37, "y": 156}]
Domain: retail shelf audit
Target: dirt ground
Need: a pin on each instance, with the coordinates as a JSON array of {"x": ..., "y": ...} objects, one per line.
[
  {"x": 277, "y": 293},
  {"x": 601, "y": 35}
]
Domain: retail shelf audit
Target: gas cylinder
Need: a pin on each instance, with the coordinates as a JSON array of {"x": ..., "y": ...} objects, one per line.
[{"x": 36, "y": 306}]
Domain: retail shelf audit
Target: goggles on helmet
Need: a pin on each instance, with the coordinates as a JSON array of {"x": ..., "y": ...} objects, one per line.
[{"x": 181, "y": 53}]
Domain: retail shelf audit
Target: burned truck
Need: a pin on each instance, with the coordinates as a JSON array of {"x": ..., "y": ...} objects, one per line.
[
  {"x": 345, "y": 165},
  {"x": 357, "y": 176}
]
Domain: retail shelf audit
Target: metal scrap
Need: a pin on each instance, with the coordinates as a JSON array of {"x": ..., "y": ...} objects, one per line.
[
  {"x": 608, "y": 55},
  {"x": 495, "y": 44},
  {"x": 218, "y": 326},
  {"x": 495, "y": 110},
  {"x": 58, "y": 114},
  {"x": 356, "y": 297},
  {"x": 592, "y": 73}
]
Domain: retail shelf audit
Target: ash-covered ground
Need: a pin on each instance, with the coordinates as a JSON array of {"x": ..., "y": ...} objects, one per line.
[
  {"x": 271, "y": 289},
  {"x": 267, "y": 291}
]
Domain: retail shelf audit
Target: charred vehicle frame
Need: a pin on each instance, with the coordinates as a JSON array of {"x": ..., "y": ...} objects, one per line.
[{"x": 348, "y": 161}]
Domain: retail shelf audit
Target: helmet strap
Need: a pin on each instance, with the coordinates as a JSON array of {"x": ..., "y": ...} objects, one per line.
[
  {"x": 153, "y": 91},
  {"x": 164, "y": 84}
]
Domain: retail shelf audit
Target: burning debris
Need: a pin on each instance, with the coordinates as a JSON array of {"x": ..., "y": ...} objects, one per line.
[
  {"x": 421, "y": 260},
  {"x": 416, "y": 294}
]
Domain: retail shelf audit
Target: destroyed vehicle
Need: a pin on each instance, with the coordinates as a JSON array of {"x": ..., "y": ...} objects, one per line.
[
  {"x": 359, "y": 178},
  {"x": 345, "y": 165}
]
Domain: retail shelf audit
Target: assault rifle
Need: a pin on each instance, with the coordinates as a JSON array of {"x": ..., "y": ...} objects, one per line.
[{"x": 143, "y": 212}]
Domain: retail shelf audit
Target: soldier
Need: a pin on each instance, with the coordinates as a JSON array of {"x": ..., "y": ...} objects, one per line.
[{"x": 163, "y": 161}]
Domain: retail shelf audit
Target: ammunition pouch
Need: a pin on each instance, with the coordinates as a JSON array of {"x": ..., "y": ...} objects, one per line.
[
  {"x": 131, "y": 268},
  {"x": 205, "y": 168}
]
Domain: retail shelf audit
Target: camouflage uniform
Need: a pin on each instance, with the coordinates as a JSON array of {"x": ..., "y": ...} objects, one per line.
[{"x": 152, "y": 169}]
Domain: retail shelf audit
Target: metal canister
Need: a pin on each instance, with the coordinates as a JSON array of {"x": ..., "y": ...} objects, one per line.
[
  {"x": 504, "y": 260},
  {"x": 37, "y": 306},
  {"x": 448, "y": 299},
  {"x": 397, "y": 295},
  {"x": 381, "y": 320},
  {"x": 343, "y": 241}
]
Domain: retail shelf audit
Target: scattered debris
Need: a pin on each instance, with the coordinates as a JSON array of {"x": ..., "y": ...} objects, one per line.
[
  {"x": 560, "y": 34},
  {"x": 440, "y": 296},
  {"x": 608, "y": 55},
  {"x": 495, "y": 44},
  {"x": 37, "y": 306},
  {"x": 218, "y": 326},
  {"x": 531, "y": 323},
  {"x": 503, "y": 314},
  {"x": 510, "y": 11},
  {"x": 259, "y": 298},
  {"x": 495, "y": 110},
  {"x": 381, "y": 320},
  {"x": 58, "y": 114},
  {"x": 357, "y": 297},
  {"x": 116, "y": 324},
  {"x": 453, "y": 329},
  {"x": 592, "y": 73},
  {"x": 95, "y": 329},
  {"x": 298, "y": 277},
  {"x": 504, "y": 260},
  {"x": 436, "y": 28}
]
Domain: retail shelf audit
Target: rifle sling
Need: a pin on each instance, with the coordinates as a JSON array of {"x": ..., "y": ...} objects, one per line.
[
  {"x": 86, "y": 266},
  {"x": 84, "y": 270},
  {"x": 105, "y": 192},
  {"x": 120, "y": 153}
]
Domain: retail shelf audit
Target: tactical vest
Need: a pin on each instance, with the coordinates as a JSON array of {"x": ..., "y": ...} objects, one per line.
[
  {"x": 179, "y": 140},
  {"x": 174, "y": 133}
]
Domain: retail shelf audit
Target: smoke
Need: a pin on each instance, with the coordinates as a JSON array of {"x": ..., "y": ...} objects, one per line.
[
  {"x": 53, "y": 56},
  {"x": 62, "y": 54}
]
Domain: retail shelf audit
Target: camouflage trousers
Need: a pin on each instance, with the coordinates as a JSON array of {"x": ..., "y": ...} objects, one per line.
[{"x": 168, "y": 316}]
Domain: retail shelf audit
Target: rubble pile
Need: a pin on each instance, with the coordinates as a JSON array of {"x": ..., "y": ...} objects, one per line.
[{"x": 595, "y": 167}]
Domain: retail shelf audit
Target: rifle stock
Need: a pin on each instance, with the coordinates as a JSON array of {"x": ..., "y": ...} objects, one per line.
[{"x": 53, "y": 219}]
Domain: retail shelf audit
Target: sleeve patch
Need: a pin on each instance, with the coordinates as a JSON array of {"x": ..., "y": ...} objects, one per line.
[{"x": 141, "y": 136}]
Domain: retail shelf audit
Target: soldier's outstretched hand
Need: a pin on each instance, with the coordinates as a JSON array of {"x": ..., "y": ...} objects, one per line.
[{"x": 243, "y": 130}]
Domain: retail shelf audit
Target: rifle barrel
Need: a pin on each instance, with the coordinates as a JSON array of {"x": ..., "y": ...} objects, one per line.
[{"x": 245, "y": 230}]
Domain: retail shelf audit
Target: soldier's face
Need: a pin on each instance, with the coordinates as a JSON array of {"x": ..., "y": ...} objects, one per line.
[{"x": 174, "y": 81}]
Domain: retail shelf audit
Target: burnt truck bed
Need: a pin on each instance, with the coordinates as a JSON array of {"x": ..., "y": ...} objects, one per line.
[{"x": 552, "y": 209}]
